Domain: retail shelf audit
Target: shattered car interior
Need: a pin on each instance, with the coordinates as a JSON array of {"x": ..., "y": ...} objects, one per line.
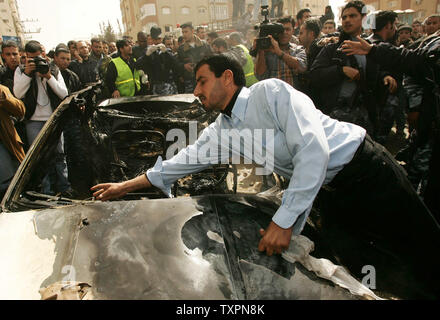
[{"x": 202, "y": 244}]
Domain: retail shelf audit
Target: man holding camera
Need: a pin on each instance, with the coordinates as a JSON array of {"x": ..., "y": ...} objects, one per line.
[
  {"x": 283, "y": 60},
  {"x": 42, "y": 88}
]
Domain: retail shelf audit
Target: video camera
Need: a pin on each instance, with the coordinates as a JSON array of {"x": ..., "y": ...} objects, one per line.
[
  {"x": 268, "y": 28},
  {"x": 42, "y": 66}
]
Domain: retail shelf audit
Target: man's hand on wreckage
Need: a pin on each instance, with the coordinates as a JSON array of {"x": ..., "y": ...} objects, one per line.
[
  {"x": 275, "y": 239},
  {"x": 109, "y": 191}
]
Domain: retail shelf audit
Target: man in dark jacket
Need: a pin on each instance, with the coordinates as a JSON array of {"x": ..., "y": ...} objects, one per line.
[
  {"x": 87, "y": 69},
  {"x": 349, "y": 87},
  {"x": 161, "y": 65},
  {"x": 423, "y": 65},
  {"x": 11, "y": 58},
  {"x": 384, "y": 32},
  {"x": 62, "y": 60},
  {"x": 189, "y": 54}
]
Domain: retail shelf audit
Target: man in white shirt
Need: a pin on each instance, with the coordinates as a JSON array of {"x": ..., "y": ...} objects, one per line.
[
  {"x": 41, "y": 94},
  {"x": 309, "y": 148}
]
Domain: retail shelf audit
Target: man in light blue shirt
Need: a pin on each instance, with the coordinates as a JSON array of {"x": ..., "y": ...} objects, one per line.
[{"x": 301, "y": 144}]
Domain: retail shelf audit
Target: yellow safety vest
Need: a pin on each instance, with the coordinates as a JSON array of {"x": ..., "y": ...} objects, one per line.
[
  {"x": 248, "y": 68},
  {"x": 126, "y": 82}
]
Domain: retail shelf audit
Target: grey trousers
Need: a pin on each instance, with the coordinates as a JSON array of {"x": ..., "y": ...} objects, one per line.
[{"x": 57, "y": 174}]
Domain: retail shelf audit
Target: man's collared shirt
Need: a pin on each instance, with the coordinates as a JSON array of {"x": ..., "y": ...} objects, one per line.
[
  {"x": 309, "y": 148},
  {"x": 277, "y": 68}
]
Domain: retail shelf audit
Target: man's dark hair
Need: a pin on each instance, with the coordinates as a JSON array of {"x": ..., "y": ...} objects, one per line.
[
  {"x": 287, "y": 20},
  {"x": 218, "y": 64},
  {"x": 9, "y": 44},
  {"x": 71, "y": 42},
  {"x": 213, "y": 35},
  {"x": 104, "y": 42},
  {"x": 61, "y": 48},
  {"x": 200, "y": 28},
  {"x": 330, "y": 22},
  {"x": 187, "y": 25},
  {"x": 32, "y": 46},
  {"x": 416, "y": 22},
  {"x": 383, "y": 18},
  {"x": 301, "y": 12},
  {"x": 95, "y": 40},
  {"x": 219, "y": 42},
  {"x": 122, "y": 43},
  {"x": 357, "y": 4},
  {"x": 236, "y": 36},
  {"x": 313, "y": 25},
  {"x": 141, "y": 34},
  {"x": 166, "y": 38}
]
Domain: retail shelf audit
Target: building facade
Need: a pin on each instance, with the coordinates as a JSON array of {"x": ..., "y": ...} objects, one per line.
[
  {"x": 141, "y": 15},
  {"x": 10, "y": 26},
  {"x": 408, "y": 10}
]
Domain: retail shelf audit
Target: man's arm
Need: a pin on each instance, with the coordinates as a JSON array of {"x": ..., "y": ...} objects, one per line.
[
  {"x": 10, "y": 104},
  {"x": 192, "y": 159},
  {"x": 260, "y": 65},
  {"x": 416, "y": 63},
  {"x": 58, "y": 86},
  {"x": 296, "y": 116},
  {"x": 325, "y": 72},
  {"x": 297, "y": 61},
  {"x": 107, "y": 191},
  {"x": 22, "y": 83}
]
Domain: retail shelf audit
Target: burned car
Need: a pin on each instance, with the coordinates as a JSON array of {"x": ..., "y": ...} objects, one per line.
[{"x": 201, "y": 244}]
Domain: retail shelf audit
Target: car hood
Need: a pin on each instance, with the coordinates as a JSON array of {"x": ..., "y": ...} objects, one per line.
[{"x": 186, "y": 248}]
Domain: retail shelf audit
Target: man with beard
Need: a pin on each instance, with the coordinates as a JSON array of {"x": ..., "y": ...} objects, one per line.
[
  {"x": 86, "y": 69},
  {"x": 142, "y": 45},
  {"x": 284, "y": 60},
  {"x": 311, "y": 150}
]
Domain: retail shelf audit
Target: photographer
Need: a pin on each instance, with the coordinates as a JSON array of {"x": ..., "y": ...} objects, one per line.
[
  {"x": 42, "y": 88},
  {"x": 284, "y": 60}
]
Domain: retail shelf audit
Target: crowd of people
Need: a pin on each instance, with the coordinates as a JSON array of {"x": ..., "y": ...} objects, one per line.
[{"x": 309, "y": 56}]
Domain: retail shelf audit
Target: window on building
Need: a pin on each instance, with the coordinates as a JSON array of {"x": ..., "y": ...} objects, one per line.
[
  {"x": 166, "y": 10},
  {"x": 168, "y": 28},
  {"x": 420, "y": 14},
  {"x": 202, "y": 10},
  {"x": 392, "y": 4},
  {"x": 185, "y": 10},
  {"x": 148, "y": 10}
]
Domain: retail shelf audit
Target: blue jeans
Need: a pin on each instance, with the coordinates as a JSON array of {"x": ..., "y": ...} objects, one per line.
[
  {"x": 8, "y": 166},
  {"x": 57, "y": 170}
]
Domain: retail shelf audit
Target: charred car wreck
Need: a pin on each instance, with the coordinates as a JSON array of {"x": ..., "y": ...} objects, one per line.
[{"x": 200, "y": 245}]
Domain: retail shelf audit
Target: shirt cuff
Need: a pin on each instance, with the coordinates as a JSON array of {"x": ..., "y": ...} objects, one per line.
[
  {"x": 155, "y": 177},
  {"x": 285, "y": 219}
]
